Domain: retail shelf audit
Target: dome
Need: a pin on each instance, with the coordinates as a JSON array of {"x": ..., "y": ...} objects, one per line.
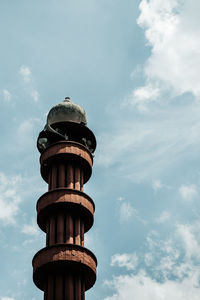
[{"x": 66, "y": 111}]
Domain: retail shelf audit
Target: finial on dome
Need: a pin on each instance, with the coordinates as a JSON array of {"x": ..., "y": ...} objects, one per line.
[{"x": 67, "y": 99}]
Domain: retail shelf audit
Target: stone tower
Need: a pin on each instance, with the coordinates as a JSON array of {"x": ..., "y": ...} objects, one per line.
[{"x": 65, "y": 269}]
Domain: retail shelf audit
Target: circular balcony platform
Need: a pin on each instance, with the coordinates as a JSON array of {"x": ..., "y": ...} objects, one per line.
[
  {"x": 65, "y": 200},
  {"x": 65, "y": 151},
  {"x": 64, "y": 258}
]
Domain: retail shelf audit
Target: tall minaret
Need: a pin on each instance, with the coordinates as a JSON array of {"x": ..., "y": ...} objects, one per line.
[{"x": 65, "y": 269}]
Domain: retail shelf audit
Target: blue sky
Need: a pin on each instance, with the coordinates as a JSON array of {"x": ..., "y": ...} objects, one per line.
[{"x": 134, "y": 67}]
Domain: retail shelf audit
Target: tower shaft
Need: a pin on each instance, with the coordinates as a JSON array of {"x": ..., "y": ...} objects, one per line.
[{"x": 65, "y": 269}]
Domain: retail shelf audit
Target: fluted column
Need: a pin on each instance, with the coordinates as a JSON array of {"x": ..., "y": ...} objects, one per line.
[{"x": 65, "y": 213}]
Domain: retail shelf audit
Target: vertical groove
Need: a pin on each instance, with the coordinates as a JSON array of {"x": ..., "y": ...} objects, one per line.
[
  {"x": 74, "y": 287},
  {"x": 74, "y": 230},
  {"x": 64, "y": 229},
  {"x": 47, "y": 232},
  {"x": 78, "y": 288},
  {"x": 70, "y": 176},
  {"x": 82, "y": 232},
  {"x": 66, "y": 176},
  {"x": 61, "y": 175},
  {"x": 63, "y": 286},
  {"x": 60, "y": 228},
  {"x": 55, "y": 231},
  {"x": 69, "y": 287},
  {"x": 52, "y": 231},
  {"x": 50, "y": 287},
  {"x": 57, "y": 176},
  {"x": 77, "y": 178},
  {"x": 54, "y": 177},
  {"x": 59, "y": 287},
  {"x": 69, "y": 229},
  {"x": 74, "y": 177},
  {"x": 49, "y": 178},
  {"x": 82, "y": 289},
  {"x": 77, "y": 231},
  {"x": 81, "y": 179},
  {"x": 54, "y": 288},
  {"x": 46, "y": 291}
]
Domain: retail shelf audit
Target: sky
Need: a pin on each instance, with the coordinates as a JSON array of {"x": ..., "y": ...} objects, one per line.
[{"x": 134, "y": 66}]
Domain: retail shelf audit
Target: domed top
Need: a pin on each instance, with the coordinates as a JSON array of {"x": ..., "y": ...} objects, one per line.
[{"x": 66, "y": 111}]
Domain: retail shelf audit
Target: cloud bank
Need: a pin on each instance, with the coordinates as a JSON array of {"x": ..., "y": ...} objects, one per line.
[
  {"x": 172, "y": 32},
  {"x": 170, "y": 268}
]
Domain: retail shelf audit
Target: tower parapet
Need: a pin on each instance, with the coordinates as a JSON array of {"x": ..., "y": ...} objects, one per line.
[{"x": 65, "y": 269}]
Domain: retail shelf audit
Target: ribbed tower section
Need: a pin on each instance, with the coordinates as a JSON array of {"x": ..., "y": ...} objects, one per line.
[{"x": 65, "y": 269}]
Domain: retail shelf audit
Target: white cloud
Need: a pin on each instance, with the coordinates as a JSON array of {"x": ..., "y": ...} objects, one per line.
[
  {"x": 7, "y": 298},
  {"x": 142, "y": 95},
  {"x": 164, "y": 216},
  {"x": 30, "y": 229},
  {"x": 120, "y": 198},
  {"x": 35, "y": 95},
  {"x": 190, "y": 237},
  {"x": 9, "y": 198},
  {"x": 148, "y": 259},
  {"x": 142, "y": 287},
  {"x": 126, "y": 211},
  {"x": 157, "y": 185},
  {"x": 129, "y": 261},
  {"x": 173, "y": 273},
  {"x": 25, "y": 131},
  {"x": 172, "y": 30},
  {"x": 147, "y": 147},
  {"x": 136, "y": 72},
  {"x": 188, "y": 192},
  {"x": 26, "y": 74},
  {"x": 7, "y": 95},
  {"x": 25, "y": 127}
]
